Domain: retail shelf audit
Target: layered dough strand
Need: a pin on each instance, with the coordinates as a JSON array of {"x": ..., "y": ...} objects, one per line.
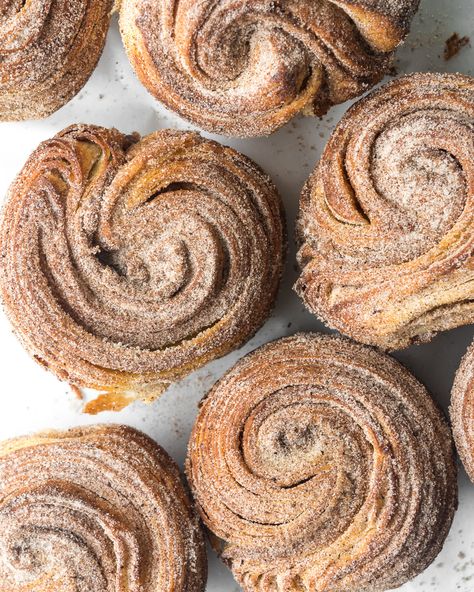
[
  {"x": 97, "y": 509},
  {"x": 386, "y": 227},
  {"x": 244, "y": 68},
  {"x": 128, "y": 263},
  {"x": 321, "y": 465}
]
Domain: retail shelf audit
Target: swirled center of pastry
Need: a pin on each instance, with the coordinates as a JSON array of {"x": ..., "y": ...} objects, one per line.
[
  {"x": 55, "y": 534},
  {"x": 291, "y": 445},
  {"x": 415, "y": 172},
  {"x": 251, "y": 52},
  {"x": 293, "y": 441},
  {"x": 170, "y": 258},
  {"x": 164, "y": 245},
  {"x": 98, "y": 509}
]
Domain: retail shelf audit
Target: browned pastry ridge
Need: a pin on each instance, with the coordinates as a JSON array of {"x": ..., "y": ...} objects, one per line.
[
  {"x": 48, "y": 50},
  {"x": 246, "y": 68},
  {"x": 126, "y": 263},
  {"x": 462, "y": 411},
  {"x": 322, "y": 465},
  {"x": 98, "y": 509},
  {"x": 386, "y": 224}
]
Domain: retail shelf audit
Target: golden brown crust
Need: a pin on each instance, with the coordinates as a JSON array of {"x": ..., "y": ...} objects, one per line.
[
  {"x": 386, "y": 223},
  {"x": 48, "y": 50},
  {"x": 97, "y": 508},
  {"x": 322, "y": 465},
  {"x": 126, "y": 263},
  {"x": 246, "y": 68},
  {"x": 462, "y": 411}
]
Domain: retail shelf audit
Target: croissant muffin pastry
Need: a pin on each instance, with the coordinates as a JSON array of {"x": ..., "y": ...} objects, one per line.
[
  {"x": 386, "y": 228},
  {"x": 48, "y": 50},
  {"x": 462, "y": 411},
  {"x": 245, "y": 68},
  {"x": 322, "y": 465},
  {"x": 128, "y": 263},
  {"x": 97, "y": 509}
]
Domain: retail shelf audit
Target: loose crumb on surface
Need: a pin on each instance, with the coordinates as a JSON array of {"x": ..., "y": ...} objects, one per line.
[
  {"x": 454, "y": 45},
  {"x": 77, "y": 392}
]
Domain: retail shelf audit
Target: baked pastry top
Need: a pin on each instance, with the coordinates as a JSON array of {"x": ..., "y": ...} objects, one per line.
[
  {"x": 386, "y": 229},
  {"x": 127, "y": 263},
  {"x": 48, "y": 50},
  {"x": 321, "y": 464},
  {"x": 99, "y": 509},
  {"x": 246, "y": 68}
]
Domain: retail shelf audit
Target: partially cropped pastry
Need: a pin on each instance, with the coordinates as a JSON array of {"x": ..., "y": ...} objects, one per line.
[
  {"x": 386, "y": 225},
  {"x": 98, "y": 509},
  {"x": 322, "y": 465},
  {"x": 48, "y": 50},
  {"x": 462, "y": 411},
  {"x": 127, "y": 263},
  {"x": 245, "y": 68}
]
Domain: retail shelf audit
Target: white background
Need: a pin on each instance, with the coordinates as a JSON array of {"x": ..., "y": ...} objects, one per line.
[{"x": 33, "y": 399}]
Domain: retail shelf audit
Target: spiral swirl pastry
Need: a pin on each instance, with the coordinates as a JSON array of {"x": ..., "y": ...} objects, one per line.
[
  {"x": 462, "y": 411},
  {"x": 386, "y": 223},
  {"x": 322, "y": 465},
  {"x": 126, "y": 263},
  {"x": 97, "y": 509},
  {"x": 245, "y": 68},
  {"x": 48, "y": 50}
]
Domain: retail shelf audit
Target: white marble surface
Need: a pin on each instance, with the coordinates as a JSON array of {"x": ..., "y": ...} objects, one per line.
[{"x": 113, "y": 97}]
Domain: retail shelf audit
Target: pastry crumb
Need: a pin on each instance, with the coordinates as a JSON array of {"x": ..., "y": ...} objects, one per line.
[{"x": 454, "y": 45}]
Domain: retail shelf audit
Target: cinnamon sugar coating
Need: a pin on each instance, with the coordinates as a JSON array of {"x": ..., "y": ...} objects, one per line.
[
  {"x": 386, "y": 228},
  {"x": 245, "y": 68},
  {"x": 462, "y": 411},
  {"x": 98, "y": 509},
  {"x": 128, "y": 263},
  {"x": 322, "y": 465},
  {"x": 48, "y": 50}
]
